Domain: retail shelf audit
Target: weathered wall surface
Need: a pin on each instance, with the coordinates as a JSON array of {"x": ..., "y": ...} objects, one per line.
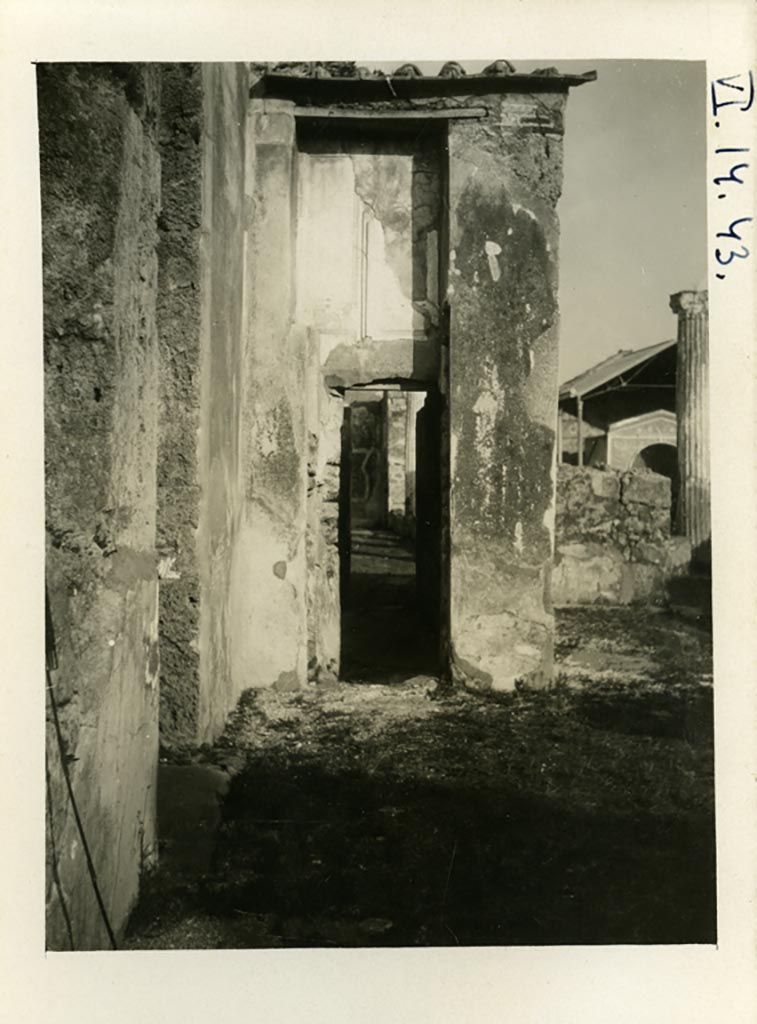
[
  {"x": 179, "y": 319},
  {"x": 202, "y": 346},
  {"x": 270, "y": 627},
  {"x": 326, "y": 416},
  {"x": 627, "y": 439},
  {"x": 225, "y": 589},
  {"x": 100, "y": 199},
  {"x": 613, "y": 541},
  {"x": 368, "y": 256},
  {"x": 396, "y": 454},
  {"x": 368, "y": 476},
  {"x": 505, "y": 180}
]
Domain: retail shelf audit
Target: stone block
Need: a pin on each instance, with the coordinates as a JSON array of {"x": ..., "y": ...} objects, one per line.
[
  {"x": 646, "y": 489},
  {"x": 627, "y": 583},
  {"x": 587, "y": 574},
  {"x": 624, "y": 517},
  {"x": 648, "y": 584},
  {"x": 579, "y": 552},
  {"x": 605, "y": 484},
  {"x": 650, "y": 552},
  {"x": 677, "y": 554}
]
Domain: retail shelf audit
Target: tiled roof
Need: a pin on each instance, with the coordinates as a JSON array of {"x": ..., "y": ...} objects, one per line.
[
  {"x": 350, "y": 69},
  {"x": 322, "y": 83},
  {"x": 608, "y": 369}
]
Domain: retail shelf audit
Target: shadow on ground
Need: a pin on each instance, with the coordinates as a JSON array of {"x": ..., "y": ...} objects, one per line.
[{"x": 379, "y": 816}]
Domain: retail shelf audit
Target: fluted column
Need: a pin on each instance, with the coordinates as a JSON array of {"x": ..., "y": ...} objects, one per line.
[{"x": 692, "y": 406}]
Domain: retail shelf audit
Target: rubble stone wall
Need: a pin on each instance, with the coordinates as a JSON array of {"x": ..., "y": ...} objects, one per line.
[
  {"x": 202, "y": 331},
  {"x": 613, "y": 541},
  {"x": 179, "y": 317},
  {"x": 100, "y": 177}
]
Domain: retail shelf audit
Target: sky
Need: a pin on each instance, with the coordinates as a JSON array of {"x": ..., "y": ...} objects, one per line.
[{"x": 633, "y": 209}]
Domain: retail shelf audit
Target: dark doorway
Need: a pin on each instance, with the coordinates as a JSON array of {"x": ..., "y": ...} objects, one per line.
[
  {"x": 390, "y": 522},
  {"x": 662, "y": 459}
]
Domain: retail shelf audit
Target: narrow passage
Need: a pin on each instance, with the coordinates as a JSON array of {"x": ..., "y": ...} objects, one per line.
[{"x": 386, "y": 637}]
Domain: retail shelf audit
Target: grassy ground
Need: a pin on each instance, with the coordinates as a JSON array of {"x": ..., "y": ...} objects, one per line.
[{"x": 377, "y": 815}]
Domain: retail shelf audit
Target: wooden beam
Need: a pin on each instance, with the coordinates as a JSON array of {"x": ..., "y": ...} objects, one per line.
[{"x": 351, "y": 114}]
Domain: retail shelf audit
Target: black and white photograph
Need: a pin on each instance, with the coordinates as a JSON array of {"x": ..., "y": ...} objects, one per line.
[
  {"x": 364, "y": 627},
  {"x": 379, "y": 506}
]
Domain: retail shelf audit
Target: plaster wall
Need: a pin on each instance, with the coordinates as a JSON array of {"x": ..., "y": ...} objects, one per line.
[
  {"x": 100, "y": 179},
  {"x": 269, "y": 563},
  {"x": 368, "y": 256},
  {"x": 225, "y": 590},
  {"x": 628, "y": 437},
  {"x": 201, "y": 318},
  {"x": 324, "y": 545},
  {"x": 505, "y": 178}
]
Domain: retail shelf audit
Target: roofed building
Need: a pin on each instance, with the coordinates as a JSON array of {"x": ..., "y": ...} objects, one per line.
[{"x": 622, "y": 412}]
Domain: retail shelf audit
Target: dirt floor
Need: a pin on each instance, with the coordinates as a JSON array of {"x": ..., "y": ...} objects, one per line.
[{"x": 383, "y": 814}]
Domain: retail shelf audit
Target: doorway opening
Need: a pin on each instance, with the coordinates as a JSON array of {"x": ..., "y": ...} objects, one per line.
[{"x": 390, "y": 534}]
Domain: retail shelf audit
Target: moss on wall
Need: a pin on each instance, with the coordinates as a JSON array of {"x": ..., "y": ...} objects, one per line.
[{"x": 505, "y": 179}]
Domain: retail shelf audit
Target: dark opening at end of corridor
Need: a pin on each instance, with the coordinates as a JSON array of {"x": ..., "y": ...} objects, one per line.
[{"x": 390, "y": 537}]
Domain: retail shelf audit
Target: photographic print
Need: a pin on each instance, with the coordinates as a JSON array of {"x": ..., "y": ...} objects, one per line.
[{"x": 377, "y": 497}]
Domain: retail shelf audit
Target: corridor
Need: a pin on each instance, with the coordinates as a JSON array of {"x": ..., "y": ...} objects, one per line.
[{"x": 385, "y": 636}]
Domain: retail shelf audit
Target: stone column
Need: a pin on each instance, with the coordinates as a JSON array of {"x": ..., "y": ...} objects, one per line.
[
  {"x": 345, "y": 487},
  {"x": 692, "y": 407},
  {"x": 429, "y": 509},
  {"x": 504, "y": 182},
  {"x": 415, "y": 400},
  {"x": 396, "y": 421}
]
